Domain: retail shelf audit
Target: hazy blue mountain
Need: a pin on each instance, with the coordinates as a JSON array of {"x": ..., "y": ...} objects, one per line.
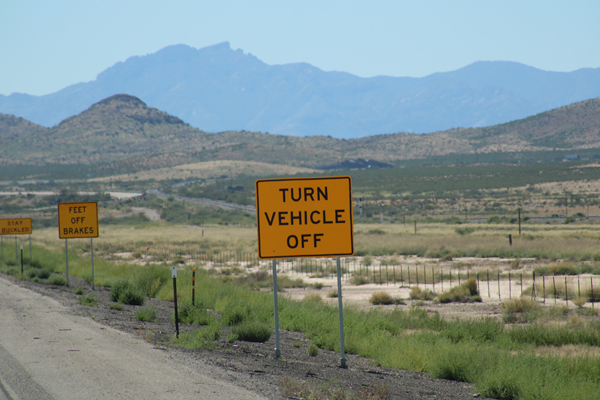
[{"x": 218, "y": 89}]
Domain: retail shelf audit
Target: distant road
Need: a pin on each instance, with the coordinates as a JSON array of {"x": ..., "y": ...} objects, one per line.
[
  {"x": 116, "y": 195},
  {"x": 205, "y": 202},
  {"x": 47, "y": 353}
]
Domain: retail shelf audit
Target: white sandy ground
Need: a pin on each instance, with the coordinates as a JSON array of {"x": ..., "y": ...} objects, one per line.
[{"x": 47, "y": 353}]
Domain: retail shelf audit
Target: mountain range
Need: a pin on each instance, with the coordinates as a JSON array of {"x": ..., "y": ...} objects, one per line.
[
  {"x": 218, "y": 89},
  {"x": 121, "y": 133}
]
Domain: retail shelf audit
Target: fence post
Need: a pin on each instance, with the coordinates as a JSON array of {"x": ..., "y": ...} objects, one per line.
[
  {"x": 499, "y": 296},
  {"x": 544, "y": 287},
  {"x": 554, "y": 284},
  {"x": 488, "y": 282}
]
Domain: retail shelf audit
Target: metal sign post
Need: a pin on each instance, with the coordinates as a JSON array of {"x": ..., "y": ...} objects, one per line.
[
  {"x": 92, "y": 248},
  {"x": 16, "y": 251},
  {"x": 2, "y": 247},
  {"x": 341, "y": 314},
  {"x": 67, "y": 259},
  {"x": 21, "y": 259},
  {"x": 277, "y": 348},
  {"x": 30, "y": 256}
]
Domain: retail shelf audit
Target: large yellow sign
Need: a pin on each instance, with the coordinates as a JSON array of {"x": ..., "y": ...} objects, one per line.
[
  {"x": 15, "y": 226},
  {"x": 78, "y": 220},
  {"x": 304, "y": 217}
]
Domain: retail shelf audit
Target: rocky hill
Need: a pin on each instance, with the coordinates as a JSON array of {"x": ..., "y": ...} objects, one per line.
[{"x": 122, "y": 133}]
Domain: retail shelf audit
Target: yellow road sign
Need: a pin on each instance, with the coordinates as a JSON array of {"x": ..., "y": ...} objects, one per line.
[
  {"x": 78, "y": 220},
  {"x": 304, "y": 217},
  {"x": 15, "y": 226}
]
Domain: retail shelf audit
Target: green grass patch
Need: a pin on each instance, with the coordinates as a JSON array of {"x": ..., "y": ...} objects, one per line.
[
  {"x": 88, "y": 300},
  {"x": 126, "y": 292},
  {"x": 252, "y": 331},
  {"x": 147, "y": 314}
]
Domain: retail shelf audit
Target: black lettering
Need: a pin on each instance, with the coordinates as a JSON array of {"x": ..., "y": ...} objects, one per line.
[
  {"x": 282, "y": 215},
  {"x": 299, "y": 194},
  {"x": 295, "y": 239},
  {"x": 299, "y": 217},
  {"x": 84, "y": 209},
  {"x": 308, "y": 192},
  {"x": 305, "y": 218},
  {"x": 270, "y": 221},
  {"x": 65, "y": 231},
  {"x": 70, "y": 231},
  {"x": 317, "y": 238},
  {"x": 283, "y": 192},
  {"x": 325, "y": 219},
  {"x": 92, "y": 229},
  {"x": 338, "y": 216},
  {"x": 304, "y": 239},
  {"x": 321, "y": 193},
  {"x": 312, "y": 219}
]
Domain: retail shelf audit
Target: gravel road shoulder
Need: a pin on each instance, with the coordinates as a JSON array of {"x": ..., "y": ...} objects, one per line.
[{"x": 252, "y": 366}]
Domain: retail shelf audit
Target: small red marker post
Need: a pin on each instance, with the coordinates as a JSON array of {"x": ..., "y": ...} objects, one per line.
[{"x": 174, "y": 275}]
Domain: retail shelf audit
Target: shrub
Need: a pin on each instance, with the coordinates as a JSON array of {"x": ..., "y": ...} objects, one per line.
[
  {"x": 378, "y": 298},
  {"x": 146, "y": 314},
  {"x": 43, "y": 273},
  {"x": 333, "y": 293},
  {"x": 564, "y": 268},
  {"x": 494, "y": 220},
  {"x": 514, "y": 264},
  {"x": 117, "y": 306},
  {"x": 88, "y": 300},
  {"x": 189, "y": 314},
  {"x": 252, "y": 331},
  {"x": 417, "y": 294},
  {"x": 359, "y": 280},
  {"x": 519, "y": 305},
  {"x": 57, "y": 280},
  {"x": 447, "y": 257},
  {"x": 471, "y": 285},
  {"x": 464, "y": 230},
  {"x": 79, "y": 290},
  {"x": 313, "y": 350},
  {"x": 316, "y": 297},
  {"x": 126, "y": 292},
  {"x": 464, "y": 293},
  {"x": 235, "y": 313}
]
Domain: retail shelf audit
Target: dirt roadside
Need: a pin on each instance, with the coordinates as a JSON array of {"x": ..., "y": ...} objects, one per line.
[{"x": 252, "y": 366}]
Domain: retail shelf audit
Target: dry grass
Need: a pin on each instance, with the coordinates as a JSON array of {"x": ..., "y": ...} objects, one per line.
[
  {"x": 209, "y": 169},
  {"x": 568, "y": 350},
  {"x": 378, "y": 298}
]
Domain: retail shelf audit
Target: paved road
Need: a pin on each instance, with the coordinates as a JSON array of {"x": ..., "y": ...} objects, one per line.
[{"x": 48, "y": 353}]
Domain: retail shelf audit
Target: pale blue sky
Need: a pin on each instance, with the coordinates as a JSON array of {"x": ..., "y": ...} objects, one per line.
[{"x": 46, "y": 45}]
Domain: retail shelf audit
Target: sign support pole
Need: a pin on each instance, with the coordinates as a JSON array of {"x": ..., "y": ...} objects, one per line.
[
  {"x": 16, "y": 251},
  {"x": 67, "y": 258},
  {"x": 92, "y": 248},
  {"x": 277, "y": 349},
  {"x": 341, "y": 312},
  {"x": 2, "y": 246},
  {"x": 30, "y": 256},
  {"x": 21, "y": 259}
]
